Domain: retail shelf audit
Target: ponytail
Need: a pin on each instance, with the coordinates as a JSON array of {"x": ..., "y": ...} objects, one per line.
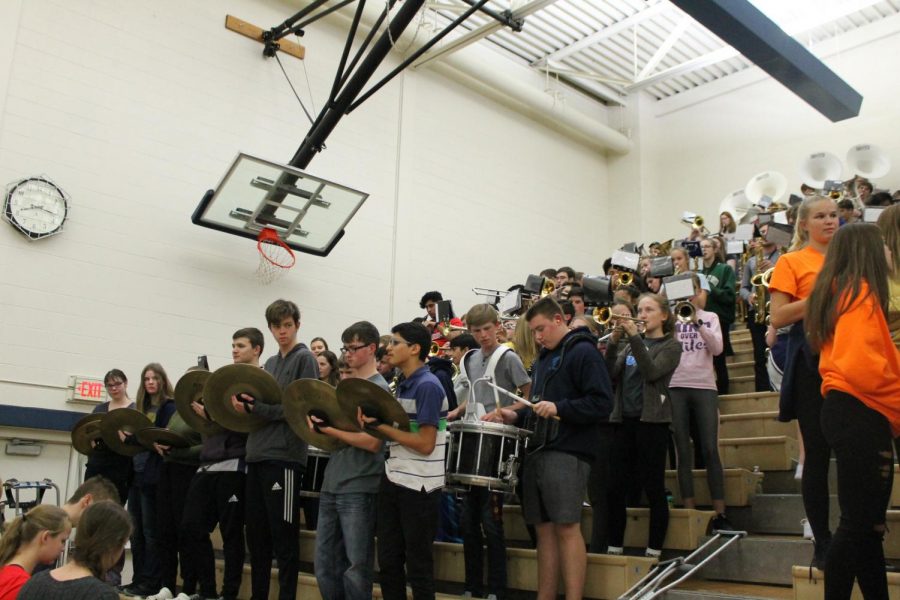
[{"x": 26, "y": 528}]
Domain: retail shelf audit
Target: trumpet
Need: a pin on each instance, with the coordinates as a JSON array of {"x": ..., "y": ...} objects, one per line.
[
  {"x": 603, "y": 315},
  {"x": 684, "y": 312}
]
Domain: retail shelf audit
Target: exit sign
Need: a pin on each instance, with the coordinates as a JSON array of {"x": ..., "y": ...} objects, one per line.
[{"x": 86, "y": 389}]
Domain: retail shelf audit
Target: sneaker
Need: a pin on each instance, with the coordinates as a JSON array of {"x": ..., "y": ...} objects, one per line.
[
  {"x": 798, "y": 474},
  {"x": 139, "y": 590},
  {"x": 807, "y": 530},
  {"x": 615, "y": 550},
  {"x": 163, "y": 594},
  {"x": 721, "y": 523},
  {"x": 651, "y": 553}
]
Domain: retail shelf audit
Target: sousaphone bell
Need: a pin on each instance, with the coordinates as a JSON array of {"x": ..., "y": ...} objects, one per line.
[{"x": 311, "y": 397}]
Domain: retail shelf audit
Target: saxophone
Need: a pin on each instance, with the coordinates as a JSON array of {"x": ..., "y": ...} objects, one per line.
[{"x": 759, "y": 287}]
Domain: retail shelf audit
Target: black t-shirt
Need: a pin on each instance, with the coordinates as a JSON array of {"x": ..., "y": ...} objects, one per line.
[{"x": 633, "y": 392}]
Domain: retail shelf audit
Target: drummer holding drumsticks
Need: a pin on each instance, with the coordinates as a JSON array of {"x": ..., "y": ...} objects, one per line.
[
  {"x": 571, "y": 386},
  {"x": 482, "y": 508}
]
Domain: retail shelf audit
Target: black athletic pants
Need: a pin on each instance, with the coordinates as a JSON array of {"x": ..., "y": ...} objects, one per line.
[
  {"x": 273, "y": 526},
  {"x": 814, "y": 487},
  {"x": 758, "y": 337},
  {"x": 861, "y": 438},
  {"x": 598, "y": 490},
  {"x": 216, "y": 497},
  {"x": 171, "y": 496},
  {"x": 719, "y": 361}
]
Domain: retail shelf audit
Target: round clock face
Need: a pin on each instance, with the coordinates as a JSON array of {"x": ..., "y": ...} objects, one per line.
[{"x": 36, "y": 207}]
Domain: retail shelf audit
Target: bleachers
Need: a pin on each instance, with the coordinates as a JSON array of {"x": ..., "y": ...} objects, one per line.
[{"x": 761, "y": 494}]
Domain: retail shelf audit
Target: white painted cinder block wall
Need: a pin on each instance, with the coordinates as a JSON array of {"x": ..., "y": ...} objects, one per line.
[
  {"x": 696, "y": 148},
  {"x": 136, "y": 108}
]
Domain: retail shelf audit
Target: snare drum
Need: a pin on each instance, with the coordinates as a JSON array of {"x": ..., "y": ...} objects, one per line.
[
  {"x": 484, "y": 454},
  {"x": 316, "y": 461}
]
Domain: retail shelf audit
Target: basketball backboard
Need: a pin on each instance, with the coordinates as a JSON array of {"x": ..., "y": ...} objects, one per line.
[{"x": 308, "y": 213}]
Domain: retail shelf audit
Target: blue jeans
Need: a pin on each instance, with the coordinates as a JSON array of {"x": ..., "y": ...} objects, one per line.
[
  {"x": 345, "y": 546},
  {"x": 142, "y": 508}
]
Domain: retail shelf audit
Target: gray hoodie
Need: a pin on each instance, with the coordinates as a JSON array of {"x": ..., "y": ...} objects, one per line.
[{"x": 276, "y": 441}]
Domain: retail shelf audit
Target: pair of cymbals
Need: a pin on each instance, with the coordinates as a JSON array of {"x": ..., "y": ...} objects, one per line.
[
  {"x": 235, "y": 380},
  {"x": 127, "y": 420},
  {"x": 86, "y": 432},
  {"x": 188, "y": 390},
  {"x": 338, "y": 406}
]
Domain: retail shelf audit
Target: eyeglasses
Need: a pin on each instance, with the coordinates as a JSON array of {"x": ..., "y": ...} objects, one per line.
[
  {"x": 115, "y": 384},
  {"x": 396, "y": 342},
  {"x": 352, "y": 349}
]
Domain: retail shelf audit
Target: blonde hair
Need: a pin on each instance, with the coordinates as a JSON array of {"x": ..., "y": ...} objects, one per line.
[
  {"x": 524, "y": 342},
  {"x": 889, "y": 224},
  {"x": 26, "y": 528},
  {"x": 482, "y": 314},
  {"x": 801, "y": 235}
]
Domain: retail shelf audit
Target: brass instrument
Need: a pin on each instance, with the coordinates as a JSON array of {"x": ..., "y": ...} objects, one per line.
[
  {"x": 664, "y": 248},
  {"x": 684, "y": 312},
  {"x": 697, "y": 224},
  {"x": 759, "y": 291},
  {"x": 446, "y": 328},
  {"x": 626, "y": 278},
  {"x": 603, "y": 314},
  {"x": 434, "y": 350},
  {"x": 548, "y": 288}
]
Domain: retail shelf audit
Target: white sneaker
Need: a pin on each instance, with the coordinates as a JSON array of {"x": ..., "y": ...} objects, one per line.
[
  {"x": 807, "y": 530},
  {"x": 798, "y": 474},
  {"x": 182, "y": 596},
  {"x": 163, "y": 594}
]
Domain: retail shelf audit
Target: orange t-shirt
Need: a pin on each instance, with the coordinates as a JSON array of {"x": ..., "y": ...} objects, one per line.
[
  {"x": 795, "y": 273},
  {"x": 860, "y": 359}
]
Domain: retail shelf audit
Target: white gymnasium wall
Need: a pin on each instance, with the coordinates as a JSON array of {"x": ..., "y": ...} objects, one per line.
[
  {"x": 137, "y": 108},
  {"x": 698, "y": 147}
]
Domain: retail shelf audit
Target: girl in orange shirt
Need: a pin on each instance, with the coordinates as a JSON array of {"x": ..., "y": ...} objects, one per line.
[
  {"x": 846, "y": 322},
  {"x": 792, "y": 281}
]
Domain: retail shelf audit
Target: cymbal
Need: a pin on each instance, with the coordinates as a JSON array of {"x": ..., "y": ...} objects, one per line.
[
  {"x": 313, "y": 397},
  {"x": 162, "y": 436},
  {"x": 232, "y": 380},
  {"x": 374, "y": 401},
  {"x": 86, "y": 430},
  {"x": 190, "y": 389},
  {"x": 127, "y": 420}
]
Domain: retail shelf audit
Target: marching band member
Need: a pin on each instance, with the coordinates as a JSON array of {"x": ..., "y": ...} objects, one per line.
[
  {"x": 571, "y": 393},
  {"x": 643, "y": 408},
  {"x": 216, "y": 494},
  {"x": 846, "y": 320},
  {"x": 720, "y": 300},
  {"x": 482, "y": 508},
  {"x": 770, "y": 255},
  {"x": 345, "y": 538},
  {"x": 409, "y": 494},
  {"x": 693, "y": 389},
  {"x": 276, "y": 460},
  {"x": 889, "y": 224},
  {"x": 792, "y": 281}
]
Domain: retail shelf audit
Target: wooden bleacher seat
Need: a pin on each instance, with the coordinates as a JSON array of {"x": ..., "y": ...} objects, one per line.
[
  {"x": 732, "y": 404},
  {"x": 771, "y": 453},
  {"x": 741, "y": 485},
  {"x": 741, "y": 384},
  {"x": 755, "y": 424},
  {"x": 739, "y": 369},
  {"x": 686, "y": 526}
]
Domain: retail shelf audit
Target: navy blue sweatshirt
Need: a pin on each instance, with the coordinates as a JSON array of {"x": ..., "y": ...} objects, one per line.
[{"x": 574, "y": 377}]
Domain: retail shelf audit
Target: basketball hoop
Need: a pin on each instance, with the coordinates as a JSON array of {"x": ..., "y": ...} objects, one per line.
[{"x": 275, "y": 257}]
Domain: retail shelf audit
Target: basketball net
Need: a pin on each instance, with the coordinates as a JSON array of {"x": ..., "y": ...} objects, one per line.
[{"x": 275, "y": 257}]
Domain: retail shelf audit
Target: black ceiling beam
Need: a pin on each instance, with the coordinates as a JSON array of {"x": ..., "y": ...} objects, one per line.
[{"x": 746, "y": 29}]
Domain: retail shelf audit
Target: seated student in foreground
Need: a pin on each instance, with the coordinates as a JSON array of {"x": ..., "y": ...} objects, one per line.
[
  {"x": 36, "y": 538},
  {"x": 570, "y": 390},
  {"x": 410, "y": 489},
  {"x": 100, "y": 541}
]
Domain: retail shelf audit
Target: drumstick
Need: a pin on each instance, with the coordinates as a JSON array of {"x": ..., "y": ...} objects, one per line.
[{"x": 489, "y": 381}]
